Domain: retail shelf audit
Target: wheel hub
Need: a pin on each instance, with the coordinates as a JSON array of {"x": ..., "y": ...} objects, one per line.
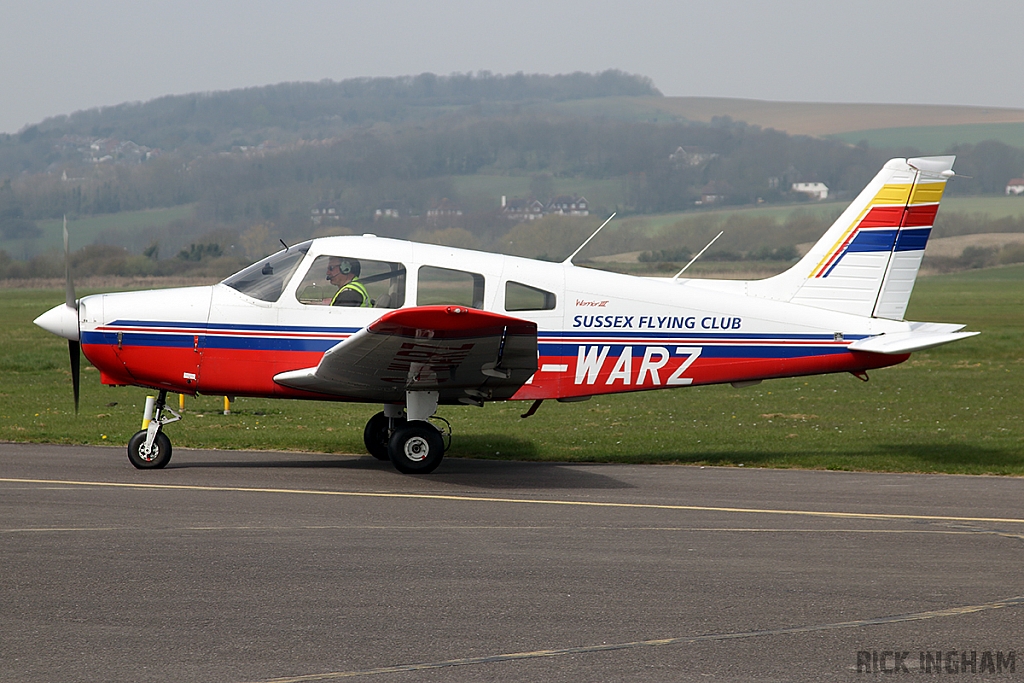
[{"x": 417, "y": 449}]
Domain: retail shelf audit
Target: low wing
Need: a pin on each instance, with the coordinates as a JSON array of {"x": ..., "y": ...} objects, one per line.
[
  {"x": 921, "y": 336},
  {"x": 464, "y": 354}
]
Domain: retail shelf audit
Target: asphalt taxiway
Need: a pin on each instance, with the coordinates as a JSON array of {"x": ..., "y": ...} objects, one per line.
[{"x": 239, "y": 566}]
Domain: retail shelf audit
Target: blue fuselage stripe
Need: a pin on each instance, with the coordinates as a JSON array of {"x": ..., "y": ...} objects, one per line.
[{"x": 551, "y": 344}]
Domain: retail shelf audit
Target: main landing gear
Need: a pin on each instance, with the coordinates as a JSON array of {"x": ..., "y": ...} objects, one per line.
[
  {"x": 400, "y": 434},
  {"x": 150, "y": 449},
  {"x": 406, "y": 438}
]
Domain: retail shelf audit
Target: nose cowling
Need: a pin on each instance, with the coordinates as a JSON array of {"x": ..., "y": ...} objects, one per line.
[{"x": 60, "y": 320}]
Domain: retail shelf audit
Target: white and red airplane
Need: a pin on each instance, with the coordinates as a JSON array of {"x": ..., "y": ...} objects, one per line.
[{"x": 429, "y": 325}]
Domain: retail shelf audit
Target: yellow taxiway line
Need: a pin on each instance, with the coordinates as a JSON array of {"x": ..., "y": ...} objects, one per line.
[{"x": 521, "y": 501}]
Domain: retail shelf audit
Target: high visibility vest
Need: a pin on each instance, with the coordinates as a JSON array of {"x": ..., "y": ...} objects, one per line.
[{"x": 355, "y": 286}]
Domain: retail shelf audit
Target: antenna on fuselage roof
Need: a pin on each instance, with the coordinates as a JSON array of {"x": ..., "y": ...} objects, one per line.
[
  {"x": 697, "y": 256},
  {"x": 568, "y": 261},
  {"x": 283, "y": 244}
]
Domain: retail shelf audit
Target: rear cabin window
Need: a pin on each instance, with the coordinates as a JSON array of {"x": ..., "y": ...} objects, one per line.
[
  {"x": 327, "y": 281},
  {"x": 520, "y": 297},
  {"x": 266, "y": 279},
  {"x": 447, "y": 286}
]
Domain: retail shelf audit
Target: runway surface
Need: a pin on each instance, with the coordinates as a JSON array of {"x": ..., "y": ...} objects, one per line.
[{"x": 236, "y": 566}]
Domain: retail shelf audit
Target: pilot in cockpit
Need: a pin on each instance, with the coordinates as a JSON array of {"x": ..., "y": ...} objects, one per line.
[{"x": 344, "y": 274}]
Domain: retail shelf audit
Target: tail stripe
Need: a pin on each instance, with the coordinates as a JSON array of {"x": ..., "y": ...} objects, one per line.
[
  {"x": 884, "y": 210},
  {"x": 865, "y": 234},
  {"x": 914, "y": 239}
]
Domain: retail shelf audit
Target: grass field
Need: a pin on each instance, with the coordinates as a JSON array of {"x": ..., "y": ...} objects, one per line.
[
  {"x": 930, "y": 128},
  {"x": 953, "y": 409},
  {"x": 824, "y": 212},
  {"x": 85, "y": 230},
  {"x": 936, "y": 139},
  {"x": 823, "y": 118},
  {"x": 995, "y": 207}
]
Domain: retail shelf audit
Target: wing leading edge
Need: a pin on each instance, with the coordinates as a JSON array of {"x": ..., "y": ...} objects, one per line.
[{"x": 466, "y": 355}]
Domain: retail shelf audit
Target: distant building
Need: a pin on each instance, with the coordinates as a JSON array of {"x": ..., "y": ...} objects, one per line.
[
  {"x": 691, "y": 156},
  {"x": 324, "y": 213},
  {"x": 443, "y": 210},
  {"x": 387, "y": 210},
  {"x": 516, "y": 209},
  {"x": 713, "y": 193},
  {"x": 817, "y": 191},
  {"x": 1015, "y": 186},
  {"x": 568, "y": 206}
]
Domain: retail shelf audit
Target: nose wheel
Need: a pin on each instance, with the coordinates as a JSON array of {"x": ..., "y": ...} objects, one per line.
[
  {"x": 150, "y": 449},
  {"x": 157, "y": 457}
]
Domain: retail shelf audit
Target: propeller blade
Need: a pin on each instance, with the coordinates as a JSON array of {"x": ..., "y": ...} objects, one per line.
[
  {"x": 69, "y": 286},
  {"x": 75, "y": 352}
]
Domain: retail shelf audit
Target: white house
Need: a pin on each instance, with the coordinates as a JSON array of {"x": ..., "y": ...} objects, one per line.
[
  {"x": 517, "y": 209},
  {"x": 1015, "y": 186},
  {"x": 568, "y": 206},
  {"x": 817, "y": 191}
]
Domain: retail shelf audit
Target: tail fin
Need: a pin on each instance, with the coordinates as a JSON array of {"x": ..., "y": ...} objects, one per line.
[{"x": 867, "y": 262}]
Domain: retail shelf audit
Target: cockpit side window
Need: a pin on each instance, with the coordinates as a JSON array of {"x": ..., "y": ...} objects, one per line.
[
  {"x": 520, "y": 297},
  {"x": 339, "y": 280},
  {"x": 266, "y": 279},
  {"x": 448, "y": 286}
]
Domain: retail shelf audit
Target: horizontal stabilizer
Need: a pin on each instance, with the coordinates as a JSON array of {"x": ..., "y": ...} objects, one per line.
[{"x": 921, "y": 336}]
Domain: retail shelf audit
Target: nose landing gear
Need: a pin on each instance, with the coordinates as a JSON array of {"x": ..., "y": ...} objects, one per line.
[{"x": 149, "y": 448}]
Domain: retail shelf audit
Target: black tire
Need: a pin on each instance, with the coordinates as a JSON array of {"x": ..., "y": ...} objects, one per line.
[
  {"x": 416, "y": 448},
  {"x": 159, "y": 456},
  {"x": 377, "y": 433}
]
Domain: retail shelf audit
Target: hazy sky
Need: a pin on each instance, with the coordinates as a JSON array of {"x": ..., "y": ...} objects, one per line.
[{"x": 59, "y": 57}]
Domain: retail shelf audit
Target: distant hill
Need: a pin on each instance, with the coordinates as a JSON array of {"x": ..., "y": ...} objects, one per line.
[
  {"x": 287, "y": 112},
  {"x": 238, "y": 170}
]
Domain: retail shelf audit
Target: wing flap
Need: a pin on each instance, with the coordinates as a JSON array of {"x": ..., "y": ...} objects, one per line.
[{"x": 457, "y": 351}]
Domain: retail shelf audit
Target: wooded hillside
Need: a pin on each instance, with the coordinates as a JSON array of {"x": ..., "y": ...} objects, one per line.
[{"x": 259, "y": 164}]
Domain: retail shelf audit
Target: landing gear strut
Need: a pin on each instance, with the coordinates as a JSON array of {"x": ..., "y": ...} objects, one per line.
[{"x": 150, "y": 449}]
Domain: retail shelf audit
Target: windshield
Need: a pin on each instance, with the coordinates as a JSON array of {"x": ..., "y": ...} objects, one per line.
[{"x": 265, "y": 280}]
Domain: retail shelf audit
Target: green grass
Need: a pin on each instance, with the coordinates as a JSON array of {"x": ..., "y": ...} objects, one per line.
[
  {"x": 822, "y": 212},
  {"x": 85, "y": 230},
  {"x": 936, "y": 139},
  {"x": 995, "y": 207},
  {"x": 957, "y": 408}
]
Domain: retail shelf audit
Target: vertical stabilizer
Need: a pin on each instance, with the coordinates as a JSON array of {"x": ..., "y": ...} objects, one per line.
[{"x": 867, "y": 262}]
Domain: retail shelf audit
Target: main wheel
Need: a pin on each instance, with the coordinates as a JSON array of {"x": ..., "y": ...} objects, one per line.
[
  {"x": 377, "y": 433},
  {"x": 158, "y": 456},
  {"x": 416, "y": 448}
]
